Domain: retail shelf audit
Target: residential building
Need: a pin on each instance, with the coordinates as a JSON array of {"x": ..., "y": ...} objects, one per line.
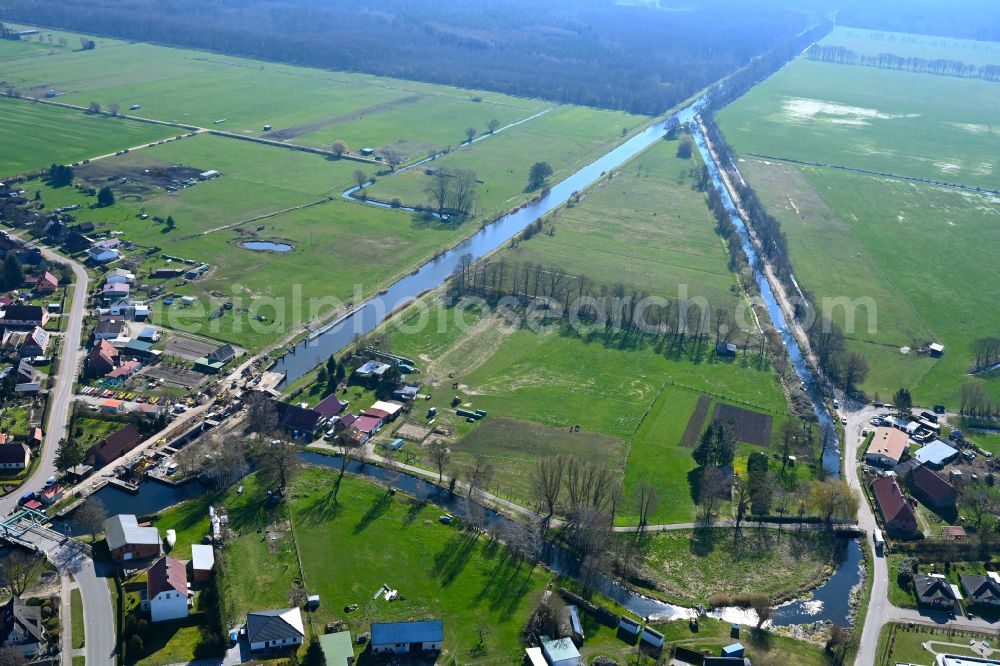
[
  {"x": 102, "y": 255},
  {"x": 47, "y": 283},
  {"x": 338, "y": 648},
  {"x": 202, "y": 562},
  {"x": 166, "y": 590},
  {"x": 214, "y": 362},
  {"x": 274, "y": 629},
  {"x": 935, "y": 592},
  {"x": 330, "y": 406},
  {"x": 390, "y": 409},
  {"x": 983, "y": 590},
  {"x": 120, "y": 275},
  {"x": 301, "y": 421},
  {"x": 14, "y": 457},
  {"x": 23, "y": 316},
  {"x": 22, "y": 627},
  {"x": 114, "y": 291},
  {"x": 49, "y": 495},
  {"x": 36, "y": 342},
  {"x": 372, "y": 369},
  {"x": 404, "y": 637},
  {"x": 896, "y": 511},
  {"x": 937, "y": 454},
  {"x": 561, "y": 652},
  {"x": 115, "y": 445},
  {"x": 110, "y": 329},
  {"x": 128, "y": 541},
  {"x": 932, "y": 490},
  {"x": 887, "y": 447}
]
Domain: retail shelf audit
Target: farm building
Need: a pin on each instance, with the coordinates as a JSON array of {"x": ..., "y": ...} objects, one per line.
[
  {"x": 535, "y": 657},
  {"x": 330, "y": 406},
  {"x": 372, "y": 369},
  {"x": 406, "y": 637},
  {"x": 560, "y": 652},
  {"x": 390, "y": 409},
  {"x": 103, "y": 255},
  {"x": 127, "y": 541},
  {"x": 275, "y": 628},
  {"x": 887, "y": 447},
  {"x": 937, "y": 454},
  {"x": 896, "y": 511},
  {"x": 936, "y": 349},
  {"x": 933, "y": 490},
  {"x": 214, "y": 362},
  {"x": 166, "y": 590},
  {"x": 209, "y": 175},
  {"x": 202, "y": 562},
  {"x": 652, "y": 636}
]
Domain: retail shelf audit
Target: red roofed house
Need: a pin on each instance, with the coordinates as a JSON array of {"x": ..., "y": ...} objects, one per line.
[
  {"x": 126, "y": 369},
  {"x": 368, "y": 424},
  {"x": 51, "y": 494},
  {"x": 896, "y": 511},
  {"x": 932, "y": 490},
  {"x": 35, "y": 438},
  {"x": 112, "y": 406},
  {"x": 103, "y": 358},
  {"x": 13, "y": 457},
  {"x": 46, "y": 284},
  {"x": 166, "y": 590},
  {"x": 115, "y": 445}
]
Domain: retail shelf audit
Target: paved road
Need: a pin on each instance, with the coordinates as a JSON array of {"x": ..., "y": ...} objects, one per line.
[
  {"x": 880, "y": 610},
  {"x": 61, "y": 396},
  {"x": 69, "y": 558}
]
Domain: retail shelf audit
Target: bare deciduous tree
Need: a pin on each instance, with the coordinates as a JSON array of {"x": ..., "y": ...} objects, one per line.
[
  {"x": 440, "y": 456},
  {"x": 392, "y": 157},
  {"x": 19, "y": 569},
  {"x": 338, "y": 148},
  {"x": 493, "y": 125},
  {"x": 470, "y": 134},
  {"x": 548, "y": 481},
  {"x": 262, "y": 418},
  {"x": 647, "y": 501},
  {"x": 439, "y": 191},
  {"x": 91, "y": 516}
]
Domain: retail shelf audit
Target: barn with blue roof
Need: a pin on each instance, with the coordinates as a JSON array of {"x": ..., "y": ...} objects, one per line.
[{"x": 404, "y": 637}]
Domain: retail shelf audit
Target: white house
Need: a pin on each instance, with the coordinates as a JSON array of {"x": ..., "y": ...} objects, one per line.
[
  {"x": 166, "y": 590},
  {"x": 103, "y": 255},
  {"x": 274, "y": 629},
  {"x": 14, "y": 456}
]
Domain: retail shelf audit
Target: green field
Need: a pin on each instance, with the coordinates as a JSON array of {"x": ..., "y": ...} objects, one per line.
[
  {"x": 647, "y": 227},
  {"x": 33, "y": 136},
  {"x": 309, "y": 106},
  {"x": 76, "y": 618},
  {"x": 567, "y": 138},
  {"x": 928, "y": 47},
  {"x": 688, "y": 567},
  {"x": 918, "y": 125},
  {"x": 923, "y": 255}
]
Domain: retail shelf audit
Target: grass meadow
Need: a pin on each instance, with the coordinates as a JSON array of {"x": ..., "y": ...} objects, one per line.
[
  {"x": 33, "y": 136},
  {"x": 928, "y": 47},
  {"x": 568, "y": 138},
  {"x": 918, "y": 125},
  {"x": 310, "y": 106},
  {"x": 922, "y": 254}
]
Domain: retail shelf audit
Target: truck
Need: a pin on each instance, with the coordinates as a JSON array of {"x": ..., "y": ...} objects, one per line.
[{"x": 878, "y": 541}]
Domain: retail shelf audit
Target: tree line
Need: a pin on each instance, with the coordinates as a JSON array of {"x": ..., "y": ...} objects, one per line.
[
  {"x": 940, "y": 66},
  {"x": 640, "y": 59}
]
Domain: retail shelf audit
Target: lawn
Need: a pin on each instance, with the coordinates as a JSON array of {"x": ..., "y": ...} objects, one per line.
[
  {"x": 88, "y": 431},
  {"x": 442, "y": 572},
  {"x": 918, "y": 125},
  {"x": 171, "y": 642},
  {"x": 905, "y": 644},
  {"x": 190, "y": 521},
  {"x": 76, "y": 618},
  {"x": 689, "y": 567},
  {"x": 835, "y": 219},
  {"x": 33, "y": 136}
]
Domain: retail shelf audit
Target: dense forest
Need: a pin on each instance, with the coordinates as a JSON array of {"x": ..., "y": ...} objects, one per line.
[
  {"x": 966, "y": 19},
  {"x": 642, "y": 59}
]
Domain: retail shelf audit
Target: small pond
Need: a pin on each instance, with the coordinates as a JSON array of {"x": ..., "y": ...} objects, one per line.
[{"x": 266, "y": 246}]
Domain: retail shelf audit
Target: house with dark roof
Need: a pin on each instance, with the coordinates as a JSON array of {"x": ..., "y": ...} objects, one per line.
[
  {"x": 14, "y": 457},
  {"x": 301, "y": 421},
  {"x": 931, "y": 489},
  {"x": 274, "y": 629},
  {"x": 214, "y": 362},
  {"x": 127, "y": 540},
  {"x": 22, "y": 627},
  {"x": 23, "y": 316},
  {"x": 897, "y": 514},
  {"x": 934, "y": 592},
  {"x": 110, "y": 329},
  {"x": 405, "y": 637},
  {"x": 331, "y": 406},
  {"x": 983, "y": 590},
  {"x": 114, "y": 446},
  {"x": 166, "y": 590}
]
